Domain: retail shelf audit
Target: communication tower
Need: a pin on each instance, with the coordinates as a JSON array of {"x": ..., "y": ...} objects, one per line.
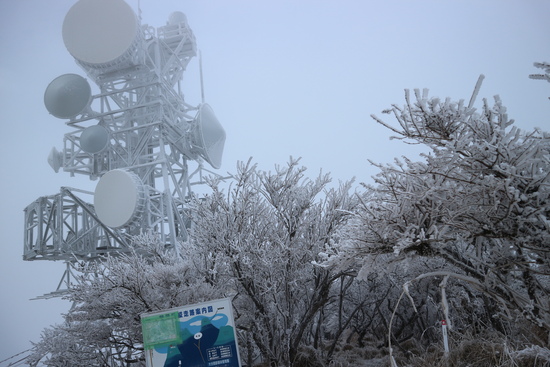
[{"x": 137, "y": 137}]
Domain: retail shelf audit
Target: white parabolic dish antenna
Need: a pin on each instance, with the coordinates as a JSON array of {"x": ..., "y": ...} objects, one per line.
[
  {"x": 99, "y": 31},
  {"x": 67, "y": 96},
  {"x": 94, "y": 139},
  {"x": 209, "y": 137},
  {"x": 119, "y": 198}
]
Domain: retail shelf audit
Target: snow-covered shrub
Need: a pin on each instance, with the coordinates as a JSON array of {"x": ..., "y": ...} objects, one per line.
[
  {"x": 103, "y": 327},
  {"x": 477, "y": 204},
  {"x": 260, "y": 240}
]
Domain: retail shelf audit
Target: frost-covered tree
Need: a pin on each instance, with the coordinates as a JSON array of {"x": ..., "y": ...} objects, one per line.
[
  {"x": 103, "y": 328},
  {"x": 260, "y": 239},
  {"x": 256, "y": 243},
  {"x": 477, "y": 205},
  {"x": 546, "y": 67}
]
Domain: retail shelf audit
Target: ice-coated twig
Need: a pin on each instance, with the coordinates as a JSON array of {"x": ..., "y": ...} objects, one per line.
[{"x": 476, "y": 91}]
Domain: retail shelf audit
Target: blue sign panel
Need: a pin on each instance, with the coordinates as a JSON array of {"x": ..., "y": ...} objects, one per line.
[{"x": 204, "y": 336}]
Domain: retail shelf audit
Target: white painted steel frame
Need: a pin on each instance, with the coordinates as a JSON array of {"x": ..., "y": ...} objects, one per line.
[{"x": 150, "y": 130}]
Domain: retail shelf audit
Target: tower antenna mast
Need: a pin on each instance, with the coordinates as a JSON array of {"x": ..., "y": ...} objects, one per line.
[{"x": 137, "y": 137}]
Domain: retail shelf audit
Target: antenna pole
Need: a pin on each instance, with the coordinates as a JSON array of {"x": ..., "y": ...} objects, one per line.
[{"x": 200, "y": 71}]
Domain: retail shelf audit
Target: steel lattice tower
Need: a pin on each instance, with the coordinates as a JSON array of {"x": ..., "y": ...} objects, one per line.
[{"x": 136, "y": 136}]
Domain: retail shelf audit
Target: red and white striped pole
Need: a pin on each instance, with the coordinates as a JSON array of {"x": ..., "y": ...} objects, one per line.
[{"x": 445, "y": 338}]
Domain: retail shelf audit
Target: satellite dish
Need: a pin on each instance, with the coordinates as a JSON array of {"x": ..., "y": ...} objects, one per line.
[
  {"x": 94, "y": 139},
  {"x": 176, "y": 18},
  {"x": 209, "y": 136},
  {"x": 55, "y": 159},
  {"x": 67, "y": 96},
  {"x": 100, "y": 32},
  {"x": 119, "y": 198}
]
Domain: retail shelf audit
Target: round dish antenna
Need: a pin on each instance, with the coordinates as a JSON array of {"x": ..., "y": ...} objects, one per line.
[
  {"x": 209, "y": 136},
  {"x": 119, "y": 198},
  {"x": 94, "y": 139},
  {"x": 100, "y": 31},
  {"x": 67, "y": 96},
  {"x": 177, "y": 17}
]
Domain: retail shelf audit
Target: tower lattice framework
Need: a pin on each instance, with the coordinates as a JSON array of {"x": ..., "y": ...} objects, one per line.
[{"x": 137, "y": 129}]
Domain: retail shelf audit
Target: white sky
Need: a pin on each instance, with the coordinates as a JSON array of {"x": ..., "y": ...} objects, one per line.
[{"x": 284, "y": 77}]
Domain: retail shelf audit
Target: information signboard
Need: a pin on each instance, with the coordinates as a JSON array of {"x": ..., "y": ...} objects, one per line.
[{"x": 199, "y": 335}]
